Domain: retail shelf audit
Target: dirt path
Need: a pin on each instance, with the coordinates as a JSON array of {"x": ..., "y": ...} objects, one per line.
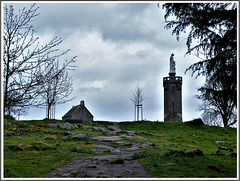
[
  {"x": 115, "y": 126},
  {"x": 102, "y": 167},
  {"x": 119, "y": 165}
]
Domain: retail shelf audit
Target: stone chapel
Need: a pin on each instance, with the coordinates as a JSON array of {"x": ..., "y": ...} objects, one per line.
[{"x": 78, "y": 114}]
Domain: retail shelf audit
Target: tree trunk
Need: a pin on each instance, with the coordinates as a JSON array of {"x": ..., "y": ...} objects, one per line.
[{"x": 137, "y": 113}]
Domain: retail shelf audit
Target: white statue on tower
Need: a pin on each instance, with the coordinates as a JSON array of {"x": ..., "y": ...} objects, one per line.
[{"x": 172, "y": 64}]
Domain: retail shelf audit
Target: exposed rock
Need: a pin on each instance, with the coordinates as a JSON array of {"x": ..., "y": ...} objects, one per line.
[
  {"x": 97, "y": 151},
  {"x": 147, "y": 144},
  {"x": 53, "y": 125},
  {"x": 107, "y": 138},
  {"x": 66, "y": 126},
  {"x": 221, "y": 142},
  {"x": 91, "y": 166},
  {"x": 122, "y": 143},
  {"x": 80, "y": 136},
  {"x": 131, "y": 133},
  {"x": 100, "y": 129},
  {"x": 103, "y": 147},
  {"x": 76, "y": 135},
  {"x": 115, "y": 150}
]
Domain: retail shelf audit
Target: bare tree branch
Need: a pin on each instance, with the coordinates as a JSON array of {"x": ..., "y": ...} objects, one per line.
[
  {"x": 137, "y": 96},
  {"x": 23, "y": 58}
]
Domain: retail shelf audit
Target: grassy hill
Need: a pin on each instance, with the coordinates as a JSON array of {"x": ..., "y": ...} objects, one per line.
[
  {"x": 181, "y": 150},
  {"x": 173, "y": 156}
]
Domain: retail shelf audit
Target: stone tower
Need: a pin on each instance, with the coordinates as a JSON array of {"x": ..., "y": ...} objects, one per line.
[{"x": 172, "y": 95}]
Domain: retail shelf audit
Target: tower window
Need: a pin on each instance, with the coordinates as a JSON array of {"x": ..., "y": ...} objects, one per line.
[
  {"x": 173, "y": 89},
  {"x": 173, "y": 105}
]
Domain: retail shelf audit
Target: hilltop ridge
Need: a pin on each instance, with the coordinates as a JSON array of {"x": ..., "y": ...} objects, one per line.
[{"x": 32, "y": 149}]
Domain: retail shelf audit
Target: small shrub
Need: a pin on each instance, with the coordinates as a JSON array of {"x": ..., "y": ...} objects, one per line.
[
  {"x": 196, "y": 122},
  {"x": 80, "y": 150},
  {"x": 193, "y": 153},
  {"x": 196, "y": 152},
  {"x": 232, "y": 154},
  {"x": 213, "y": 167},
  {"x": 138, "y": 155},
  {"x": 75, "y": 149},
  {"x": 117, "y": 161},
  {"x": 41, "y": 146},
  {"x": 14, "y": 148},
  {"x": 177, "y": 153},
  {"x": 171, "y": 164},
  {"x": 35, "y": 129},
  {"x": 155, "y": 165},
  {"x": 9, "y": 117},
  {"x": 121, "y": 132},
  {"x": 222, "y": 150},
  {"x": 26, "y": 147},
  {"x": 50, "y": 137},
  {"x": 111, "y": 129}
]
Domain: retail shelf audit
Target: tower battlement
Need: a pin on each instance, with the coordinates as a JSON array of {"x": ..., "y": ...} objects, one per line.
[{"x": 175, "y": 79}]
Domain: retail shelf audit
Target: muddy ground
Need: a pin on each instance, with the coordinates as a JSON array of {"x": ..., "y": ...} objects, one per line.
[{"x": 119, "y": 164}]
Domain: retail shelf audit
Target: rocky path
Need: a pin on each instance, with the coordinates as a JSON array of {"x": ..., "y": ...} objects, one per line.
[
  {"x": 115, "y": 126},
  {"x": 119, "y": 164}
]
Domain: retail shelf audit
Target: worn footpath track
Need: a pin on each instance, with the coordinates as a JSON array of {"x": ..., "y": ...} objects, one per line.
[{"x": 119, "y": 165}]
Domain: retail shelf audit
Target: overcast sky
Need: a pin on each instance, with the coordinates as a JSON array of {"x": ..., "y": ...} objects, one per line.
[{"x": 118, "y": 46}]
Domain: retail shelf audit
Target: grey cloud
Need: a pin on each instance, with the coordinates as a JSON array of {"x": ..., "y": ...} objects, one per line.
[
  {"x": 119, "y": 46},
  {"x": 122, "y": 22}
]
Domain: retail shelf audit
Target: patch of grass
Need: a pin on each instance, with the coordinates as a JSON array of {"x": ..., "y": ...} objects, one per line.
[
  {"x": 32, "y": 148},
  {"x": 138, "y": 155},
  {"x": 117, "y": 161},
  {"x": 110, "y": 129},
  {"x": 121, "y": 132},
  {"x": 103, "y": 123},
  {"x": 133, "y": 140},
  {"x": 185, "y": 138}
]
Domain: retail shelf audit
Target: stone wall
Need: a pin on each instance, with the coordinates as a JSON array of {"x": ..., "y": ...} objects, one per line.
[{"x": 172, "y": 99}]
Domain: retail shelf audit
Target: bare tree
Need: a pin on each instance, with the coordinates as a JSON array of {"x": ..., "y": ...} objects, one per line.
[
  {"x": 23, "y": 57},
  {"x": 210, "y": 116},
  {"x": 218, "y": 103},
  {"x": 137, "y": 98},
  {"x": 57, "y": 91}
]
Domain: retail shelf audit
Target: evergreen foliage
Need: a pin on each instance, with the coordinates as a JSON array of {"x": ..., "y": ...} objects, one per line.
[{"x": 214, "y": 26}]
